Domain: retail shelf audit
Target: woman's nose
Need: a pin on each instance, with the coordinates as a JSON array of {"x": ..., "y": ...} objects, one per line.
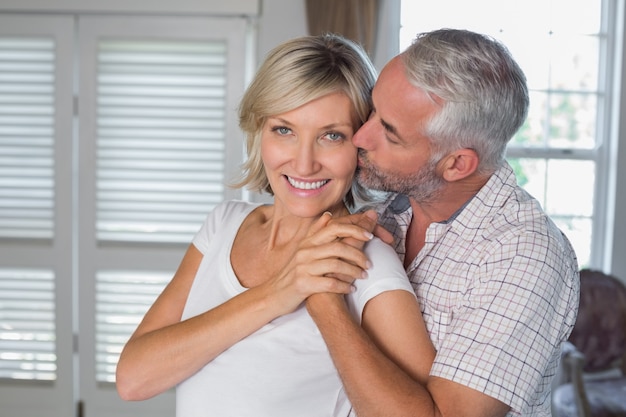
[{"x": 306, "y": 160}]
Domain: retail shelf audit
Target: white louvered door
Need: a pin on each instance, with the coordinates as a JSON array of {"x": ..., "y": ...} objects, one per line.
[
  {"x": 36, "y": 343},
  {"x": 117, "y": 137},
  {"x": 158, "y": 119}
]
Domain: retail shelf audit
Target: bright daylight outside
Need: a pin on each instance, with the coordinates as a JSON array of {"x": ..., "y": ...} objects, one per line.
[{"x": 555, "y": 152}]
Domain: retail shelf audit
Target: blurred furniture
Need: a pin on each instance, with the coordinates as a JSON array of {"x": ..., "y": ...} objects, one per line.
[{"x": 593, "y": 374}]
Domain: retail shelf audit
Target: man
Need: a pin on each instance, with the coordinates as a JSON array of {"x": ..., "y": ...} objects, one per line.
[{"x": 496, "y": 280}]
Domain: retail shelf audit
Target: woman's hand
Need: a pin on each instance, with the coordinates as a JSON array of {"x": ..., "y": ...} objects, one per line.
[{"x": 328, "y": 260}]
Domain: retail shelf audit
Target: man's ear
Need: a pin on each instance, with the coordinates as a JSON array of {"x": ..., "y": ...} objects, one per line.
[{"x": 459, "y": 164}]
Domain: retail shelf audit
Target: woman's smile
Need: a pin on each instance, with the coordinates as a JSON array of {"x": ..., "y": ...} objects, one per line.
[{"x": 306, "y": 184}]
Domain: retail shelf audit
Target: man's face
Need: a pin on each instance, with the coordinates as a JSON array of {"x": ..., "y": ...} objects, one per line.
[{"x": 394, "y": 155}]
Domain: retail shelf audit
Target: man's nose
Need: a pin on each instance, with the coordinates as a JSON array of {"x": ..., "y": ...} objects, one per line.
[{"x": 360, "y": 137}]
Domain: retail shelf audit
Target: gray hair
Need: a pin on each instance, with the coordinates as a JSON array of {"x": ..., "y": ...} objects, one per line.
[
  {"x": 293, "y": 74},
  {"x": 484, "y": 92}
]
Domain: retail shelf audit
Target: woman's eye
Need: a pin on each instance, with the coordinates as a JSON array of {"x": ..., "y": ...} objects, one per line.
[
  {"x": 281, "y": 130},
  {"x": 334, "y": 136}
]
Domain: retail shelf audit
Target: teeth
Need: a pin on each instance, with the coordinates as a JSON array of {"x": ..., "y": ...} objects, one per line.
[{"x": 306, "y": 185}]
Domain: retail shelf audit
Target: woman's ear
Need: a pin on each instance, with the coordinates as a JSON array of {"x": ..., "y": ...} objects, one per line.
[{"x": 459, "y": 164}]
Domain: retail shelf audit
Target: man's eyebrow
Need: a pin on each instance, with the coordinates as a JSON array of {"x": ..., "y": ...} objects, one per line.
[{"x": 389, "y": 128}]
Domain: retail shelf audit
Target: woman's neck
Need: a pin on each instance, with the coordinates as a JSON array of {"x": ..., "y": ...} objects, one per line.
[{"x": 284, "y": 228}]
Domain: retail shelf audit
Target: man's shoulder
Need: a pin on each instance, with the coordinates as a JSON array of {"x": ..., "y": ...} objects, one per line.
[{"x": 502, "y": 203}]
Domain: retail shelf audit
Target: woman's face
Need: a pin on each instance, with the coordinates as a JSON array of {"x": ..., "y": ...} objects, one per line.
[{"x": 308, "y": 155}]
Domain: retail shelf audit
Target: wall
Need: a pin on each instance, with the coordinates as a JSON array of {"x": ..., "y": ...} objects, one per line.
[{"x": 274, "y": 27}]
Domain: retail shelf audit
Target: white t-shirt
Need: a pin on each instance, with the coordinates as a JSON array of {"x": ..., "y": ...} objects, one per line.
[{"x": 283, "y": 369}]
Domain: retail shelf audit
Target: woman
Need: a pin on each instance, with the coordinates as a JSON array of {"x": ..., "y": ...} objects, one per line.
[{"x": 231, "y": 330}]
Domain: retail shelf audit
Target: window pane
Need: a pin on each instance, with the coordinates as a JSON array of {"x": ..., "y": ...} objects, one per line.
[
  {"x": 574, "y": 61},
  {"x": 26, "y": 137},
  {"x": 27, "y": 329},
  {"x": 559, "y": 120},
  {"x": 575, "y": 16},
  {"x": 566, "y": 61},
  {"x": 161, "y": 138}
]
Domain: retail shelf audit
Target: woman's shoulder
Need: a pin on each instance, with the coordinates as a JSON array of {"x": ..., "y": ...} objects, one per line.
[
  {"x": 230, "y": 210},
  {"x": 385, "y": 263},
  {"x": 378, "y": 249},
  {"x": 225, "y": 215}
]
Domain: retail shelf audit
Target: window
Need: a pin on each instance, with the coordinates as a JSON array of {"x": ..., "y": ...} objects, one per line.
[
  {"x": 563, "y": 48},
  {"x": 117, "y": 136}
]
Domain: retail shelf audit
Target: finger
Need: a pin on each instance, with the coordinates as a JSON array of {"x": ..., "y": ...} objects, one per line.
[
  {"x": 338, "y": 269},
  {"x": 332, "y": 285},
  {"x": 337, "y": 249},
  {"x": 339, "y": 230},
  {"x": 328, "y": 284},
  {"x": 320, "y": 223},
  {"x": 344, "y": 278},
  {"x": 383, "y": 234},
  {"x": 367, "y": 220}
]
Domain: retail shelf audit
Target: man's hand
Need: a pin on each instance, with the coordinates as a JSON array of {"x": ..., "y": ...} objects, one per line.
[{"x": 366, "y": 220}]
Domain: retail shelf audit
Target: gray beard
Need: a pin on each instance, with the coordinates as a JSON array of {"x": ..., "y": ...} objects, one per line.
[{"x": 422, "y": 186}]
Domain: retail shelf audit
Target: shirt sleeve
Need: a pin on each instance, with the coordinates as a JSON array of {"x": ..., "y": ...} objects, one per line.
[
  {"x": 386, "y": 274},
  {"x": 219, "y": 218},
  {"x": 504, "y": 337}
]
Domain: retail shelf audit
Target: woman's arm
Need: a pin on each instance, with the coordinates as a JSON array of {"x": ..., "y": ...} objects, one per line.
[
  {"x": 394, "y": 322},
  {"x": 164, "y": 351}
]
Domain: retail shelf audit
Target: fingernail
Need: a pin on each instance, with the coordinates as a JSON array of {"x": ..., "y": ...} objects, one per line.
[
  {"x": 368, "y": 235},
  {"x": 329, "y": 213},
  {"x": 371, "y": 214}
]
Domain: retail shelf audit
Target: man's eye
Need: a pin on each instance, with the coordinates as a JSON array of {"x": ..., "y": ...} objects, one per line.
[{"x": 391, "y": 140}]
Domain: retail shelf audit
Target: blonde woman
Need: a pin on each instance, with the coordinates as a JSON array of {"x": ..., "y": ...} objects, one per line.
[{"x": 231, "y": 331}]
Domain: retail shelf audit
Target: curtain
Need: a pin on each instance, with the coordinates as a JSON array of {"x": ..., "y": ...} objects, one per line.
[{"x": 354, "y": 19}]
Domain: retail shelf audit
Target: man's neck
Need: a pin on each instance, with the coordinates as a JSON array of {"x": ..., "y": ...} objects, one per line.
[{"x": 449, "y": 201}]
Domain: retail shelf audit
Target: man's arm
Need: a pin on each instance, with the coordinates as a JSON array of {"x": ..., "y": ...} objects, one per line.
[{"x": 376, "y": 386}]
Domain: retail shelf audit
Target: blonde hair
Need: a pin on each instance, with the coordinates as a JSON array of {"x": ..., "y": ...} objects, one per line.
[{"x": 293, "y": 74}]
